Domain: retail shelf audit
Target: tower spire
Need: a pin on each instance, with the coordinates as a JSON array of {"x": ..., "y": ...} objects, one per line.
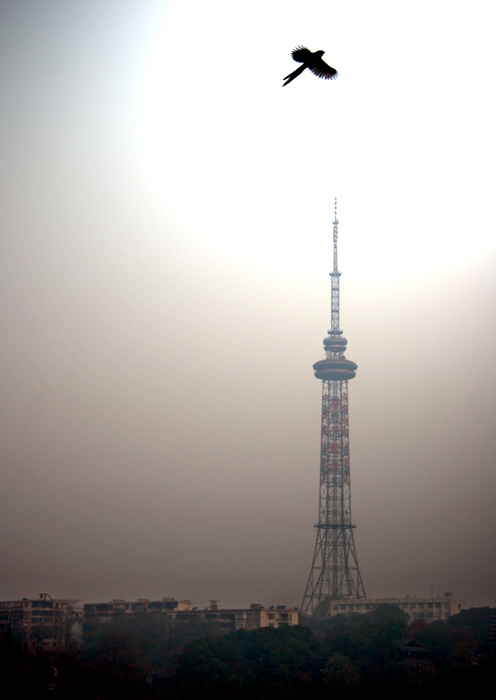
[
  {"x": 335, "y": 275},
  {"x": 334, "y": 573},
  {"x": 335, "y": 234}
]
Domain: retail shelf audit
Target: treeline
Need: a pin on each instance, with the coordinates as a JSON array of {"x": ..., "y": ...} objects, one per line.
[{"x": 353, "y": 657}]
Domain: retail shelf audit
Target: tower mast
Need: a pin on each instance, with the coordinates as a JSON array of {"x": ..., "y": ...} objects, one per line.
[{"x": 334, "y": 573}]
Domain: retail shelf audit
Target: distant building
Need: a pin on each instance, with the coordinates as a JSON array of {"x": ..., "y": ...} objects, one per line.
[
  {"x": 229, "y": 619},
  {"x": 42, "y": 623},
  {"x": 105, "y": 612},
  {"x": 428, "y": 609},
  {"x": 249, "y": 619}
]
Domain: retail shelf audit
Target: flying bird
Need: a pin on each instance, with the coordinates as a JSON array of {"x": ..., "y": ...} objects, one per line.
[{"x": 312, "y": 60}]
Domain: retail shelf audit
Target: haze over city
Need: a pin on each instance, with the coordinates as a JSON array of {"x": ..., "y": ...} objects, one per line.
[{"x": 167, "y": 236}]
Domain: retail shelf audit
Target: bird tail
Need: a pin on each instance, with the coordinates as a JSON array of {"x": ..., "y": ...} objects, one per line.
[{"x": 293, "y": 75}]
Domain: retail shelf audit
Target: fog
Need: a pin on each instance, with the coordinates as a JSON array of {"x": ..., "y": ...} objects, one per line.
[{"x": 166, "y": 242}]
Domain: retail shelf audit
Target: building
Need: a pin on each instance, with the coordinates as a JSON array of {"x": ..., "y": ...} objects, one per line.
[
  {"x": 42, "y": 623},
  {"x": 181, "y": 611},
  {"x": 428, "y": 609},
  {"x": 334, "y": 574},
  {"x": 105, "y": 612},
  {"x": 253, "y": 618}
]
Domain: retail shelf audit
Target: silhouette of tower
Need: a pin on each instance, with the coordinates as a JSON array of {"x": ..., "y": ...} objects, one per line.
[{"x": 334, "y": 573}]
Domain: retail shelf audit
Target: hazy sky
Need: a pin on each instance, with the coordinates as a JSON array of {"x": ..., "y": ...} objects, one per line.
[{"x": 166, "y": 240}]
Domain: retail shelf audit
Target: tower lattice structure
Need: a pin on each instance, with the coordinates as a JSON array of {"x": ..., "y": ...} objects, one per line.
[{"x": 334, "y": 573}]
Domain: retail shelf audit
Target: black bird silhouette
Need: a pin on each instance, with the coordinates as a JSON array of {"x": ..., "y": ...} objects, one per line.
[{"x": 312, "y": 60}]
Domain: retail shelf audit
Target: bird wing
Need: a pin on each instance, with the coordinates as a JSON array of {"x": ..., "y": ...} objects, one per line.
[
  {"x": 321, "y": 69},
  {"x": 301, "y": 54}
]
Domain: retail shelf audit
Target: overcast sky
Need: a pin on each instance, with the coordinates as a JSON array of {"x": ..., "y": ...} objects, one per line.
[{"x": 166, "y": 211}]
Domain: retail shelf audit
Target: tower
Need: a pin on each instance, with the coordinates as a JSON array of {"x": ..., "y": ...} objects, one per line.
[{"x": 334, "y": 573}]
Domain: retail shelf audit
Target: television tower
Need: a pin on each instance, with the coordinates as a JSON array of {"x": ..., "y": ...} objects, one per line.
[{"x": 334, "y": 573}]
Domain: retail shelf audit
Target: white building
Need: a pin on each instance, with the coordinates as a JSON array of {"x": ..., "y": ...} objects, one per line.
[{"x": 428, "y": 609}]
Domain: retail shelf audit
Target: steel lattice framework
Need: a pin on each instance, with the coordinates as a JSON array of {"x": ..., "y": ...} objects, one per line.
[{"x": 334, "y": 573}]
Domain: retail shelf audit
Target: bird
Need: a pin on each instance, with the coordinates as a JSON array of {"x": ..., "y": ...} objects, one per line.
[{"x": 312, "y": 60}]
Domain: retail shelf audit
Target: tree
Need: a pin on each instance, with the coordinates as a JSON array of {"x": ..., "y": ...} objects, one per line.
[
  {"x": 341, "y": 676},
  {"x": 449, "y": 647},
  {"x": 265, "y": 662},
  {"x": 415, "y": 628},
  {"x": 391, "y": 619},
  {"x": 477, "y": 621}
]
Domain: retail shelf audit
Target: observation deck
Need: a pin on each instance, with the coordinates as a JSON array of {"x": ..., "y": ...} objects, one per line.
[{"x": 335, "y": 367}]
